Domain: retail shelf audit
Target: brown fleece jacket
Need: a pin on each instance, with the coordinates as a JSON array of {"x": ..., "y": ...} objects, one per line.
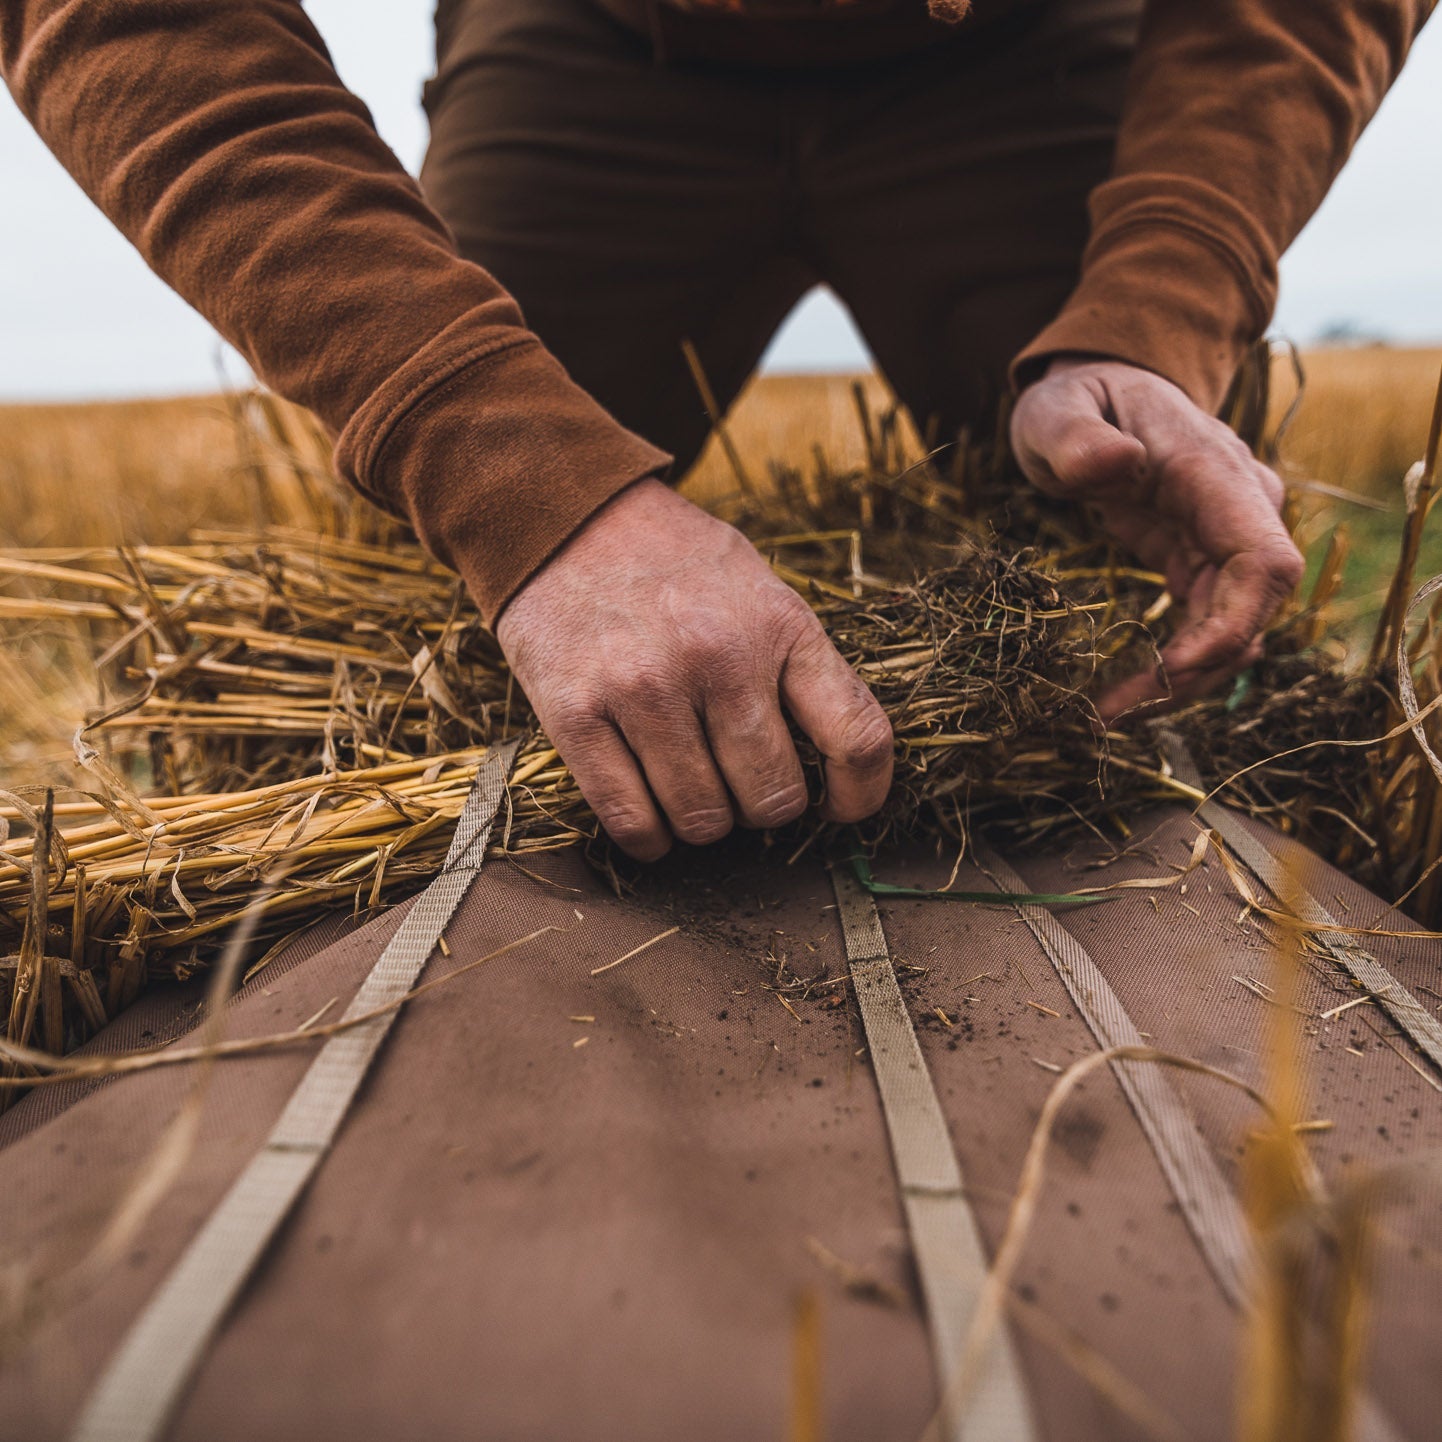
[
  {"x": 217, "y": 136},
  {"x": 1239, "y": 115}
]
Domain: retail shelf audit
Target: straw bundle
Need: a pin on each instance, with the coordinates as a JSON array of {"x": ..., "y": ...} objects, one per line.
[{"x": 294, "y": 713}]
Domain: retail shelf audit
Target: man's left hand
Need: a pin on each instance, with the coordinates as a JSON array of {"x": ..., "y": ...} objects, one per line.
[{"x": 1180, "y": 491}]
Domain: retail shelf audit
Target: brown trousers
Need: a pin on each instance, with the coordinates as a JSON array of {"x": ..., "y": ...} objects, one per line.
[{"x": 630, "y": 202}]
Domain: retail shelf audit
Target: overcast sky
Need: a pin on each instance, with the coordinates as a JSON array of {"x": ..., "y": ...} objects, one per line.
[{"x": 81, "y": 316}]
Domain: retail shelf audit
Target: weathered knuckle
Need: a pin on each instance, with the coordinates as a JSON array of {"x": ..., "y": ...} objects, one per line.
[
  {"x": 865, "y": 742},
  {"x": 1237, "y": 449},
  {"x": 801, "y": 634},
  {"x": 1217, "y": 452},
  {"x": 779, "y": 600},
  {"x": 1275, "y": 570},
  {"x": 1230, "y": 643},
  {"x": 778, "y": 805},
  {"x": 627, "y": 825},
  {"x": 712, "y": 651},
  {"x": 643, "y": 683},
  {"x": 576, "y": 715},
  {"x": 1271, "y": 486},
  {"x": 1287, "y": 564},
  {"x": 701, "y": 825},
  {"x": 740, "y": 716},
  {"x": 1192, "y": 458}
]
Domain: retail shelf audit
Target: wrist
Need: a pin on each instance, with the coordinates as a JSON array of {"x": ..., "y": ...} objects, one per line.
[
  {"x": 1094, "y": 362},
  {"x": 620, "y": 538}
]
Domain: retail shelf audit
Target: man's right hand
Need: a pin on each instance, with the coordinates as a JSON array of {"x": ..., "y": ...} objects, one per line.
[{"x": 658, "y": 650}]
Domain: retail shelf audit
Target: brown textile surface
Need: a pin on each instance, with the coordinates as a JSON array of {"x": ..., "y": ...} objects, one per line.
[
  {"x": 1239, "y": 115},
  {"x": 632, "y": 206},
  {"x": 519, "y": 1238},
  {"x": 217, "y": 135},
  {"x": 792, "y": 33},
  {"x": 162, "y": 1014}
]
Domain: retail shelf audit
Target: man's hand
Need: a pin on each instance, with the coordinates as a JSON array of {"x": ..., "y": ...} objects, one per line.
[
  {"x": 658, "y": 650},
  {"x": 1178, "y": 489}
]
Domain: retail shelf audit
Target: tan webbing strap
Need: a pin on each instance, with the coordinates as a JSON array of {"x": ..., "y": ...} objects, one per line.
[
  {"x": 143, "y": 1382},
  {"x": 1207, "y": 1202},
  {"x": 1423, "y": 1029},
  {"x": 950, "y": 1260}
]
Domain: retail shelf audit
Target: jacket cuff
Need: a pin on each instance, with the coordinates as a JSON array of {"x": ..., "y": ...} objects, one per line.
[
  {"x": 1168, "y": 289},
  {"x": 496, "y": 458}
]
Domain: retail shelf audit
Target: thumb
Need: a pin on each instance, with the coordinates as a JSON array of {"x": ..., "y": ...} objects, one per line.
[{"x": 1067, "y": 447}]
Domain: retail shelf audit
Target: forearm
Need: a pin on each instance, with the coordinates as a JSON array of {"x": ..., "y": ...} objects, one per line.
[
  {"x": 217, "y": 136},
  {"x": 1239, "y": 115}
]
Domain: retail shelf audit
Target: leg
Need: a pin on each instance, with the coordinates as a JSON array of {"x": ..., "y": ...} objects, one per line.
[
  {"x": 628, "y": 207},
  {"x": 947, "y": 200}
]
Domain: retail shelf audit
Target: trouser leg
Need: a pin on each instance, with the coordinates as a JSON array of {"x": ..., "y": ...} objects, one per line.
[
  {"x": 946, "y": 199},
  {"x": 630, "y": 206},
  {"x": 627, "y": 206}
]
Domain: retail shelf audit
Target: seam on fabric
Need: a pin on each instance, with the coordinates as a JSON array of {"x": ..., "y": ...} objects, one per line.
[
  {"x": 1210, "y": 1206},
  {"x": 425, "y": 391},
  {"x": 1156, "y": 219}
]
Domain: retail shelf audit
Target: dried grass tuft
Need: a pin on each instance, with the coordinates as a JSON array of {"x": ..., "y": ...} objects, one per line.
[{"x": 301, "y": 705}]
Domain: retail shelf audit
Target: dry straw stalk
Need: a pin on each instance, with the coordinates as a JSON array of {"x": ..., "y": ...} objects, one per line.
[{"x": 301, "y": 706}]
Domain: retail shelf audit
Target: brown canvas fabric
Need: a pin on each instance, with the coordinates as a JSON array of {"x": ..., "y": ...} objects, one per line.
[
  {"x": 217, "y": 136},
  {"x": 519, "y": 1238},
  {"x": 161, "y": 1015}
]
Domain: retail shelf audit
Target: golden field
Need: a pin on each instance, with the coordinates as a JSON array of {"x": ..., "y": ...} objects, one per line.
[
  {"x": 1361, "y": 417},
  {"x": 126, "y": 472},
  {"x": 153, "y": 470}
]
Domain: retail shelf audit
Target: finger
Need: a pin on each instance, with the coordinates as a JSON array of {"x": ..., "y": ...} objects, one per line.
[
  {"x": 753, "y": 747},
  {"x": 1230, "y": 518},
  {"x": 1247, "y": 592},
  {"x": 611, "y": 781},
  {"x": 1155, "y": 692},
  {"x": 1239, "y": 600},
  {"x": 833, "y": 706},
  {"x": 1203, "y": 586},
  {"x": 1146, "y": 693},
  {"x": 1065, "y": 445},
  {"x": 676, "y": 757}
]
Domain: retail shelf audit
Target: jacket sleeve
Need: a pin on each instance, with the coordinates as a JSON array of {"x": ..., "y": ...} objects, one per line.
[
  {"x": 1238, "y": 116},
  {"x": 218, "y": 137}
]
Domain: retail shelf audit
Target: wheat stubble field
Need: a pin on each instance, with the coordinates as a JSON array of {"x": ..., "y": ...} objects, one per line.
[{"x": 149, "y": 471}]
